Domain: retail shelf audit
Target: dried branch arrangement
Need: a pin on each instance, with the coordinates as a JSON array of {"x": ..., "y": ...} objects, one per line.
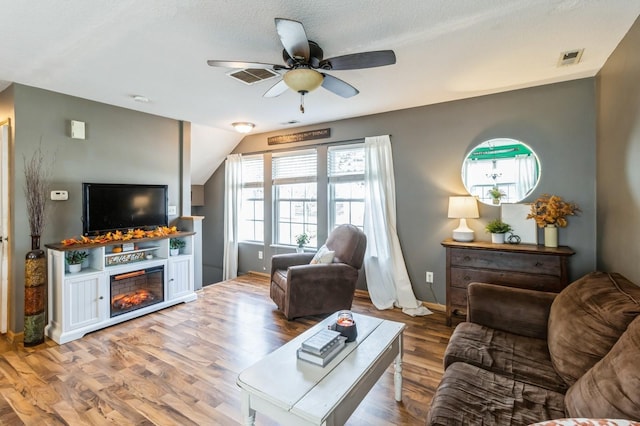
[{"x": 37, "y": 172}]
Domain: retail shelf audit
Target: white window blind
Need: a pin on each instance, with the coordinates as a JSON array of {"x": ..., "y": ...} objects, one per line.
[
  {"x": 252, "y": 170},
  {"x": 294, "y": 167},
  {"x": 346, "y": 162}
]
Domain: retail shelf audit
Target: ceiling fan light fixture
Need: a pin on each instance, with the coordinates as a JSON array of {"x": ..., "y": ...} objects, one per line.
[
  {"x": 243, "y": 126},
  {"x": 303, "y": 79}
]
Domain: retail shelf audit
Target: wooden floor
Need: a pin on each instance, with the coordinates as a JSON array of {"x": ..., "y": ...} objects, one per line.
[{"x": 178, "y": 366}]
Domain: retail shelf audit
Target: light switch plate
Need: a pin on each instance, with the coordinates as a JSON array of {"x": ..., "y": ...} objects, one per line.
[{"x": 173, "y": 210}]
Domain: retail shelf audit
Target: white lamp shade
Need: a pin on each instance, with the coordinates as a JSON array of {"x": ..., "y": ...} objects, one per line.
[
  {"x": 463, "y": 207},
  {"x": 303, "y": 79}
]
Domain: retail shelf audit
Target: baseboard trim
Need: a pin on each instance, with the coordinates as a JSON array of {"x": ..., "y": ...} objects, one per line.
[
  {"x": 436, "y": 307},
  {"x": 261, "y": 274}
]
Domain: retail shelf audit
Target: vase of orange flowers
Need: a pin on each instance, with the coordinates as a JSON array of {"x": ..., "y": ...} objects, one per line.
[{"x": 550, "y": 212}]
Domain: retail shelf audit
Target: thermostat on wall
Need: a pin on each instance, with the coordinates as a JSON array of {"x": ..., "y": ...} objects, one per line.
[{"x": 59, "y": 195}]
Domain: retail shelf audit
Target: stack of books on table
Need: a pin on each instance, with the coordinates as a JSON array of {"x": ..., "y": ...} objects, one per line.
[{"x": 322, "y": 347}]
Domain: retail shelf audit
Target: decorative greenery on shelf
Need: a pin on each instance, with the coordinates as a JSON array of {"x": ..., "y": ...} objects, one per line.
[
  {"x": 75, "y": 257},
  {"x": 176, "y": 243},
  {"x": 552, "y": 210},
  {"x": 302, "y": 239},
  {"x": 497, "y": 226}
]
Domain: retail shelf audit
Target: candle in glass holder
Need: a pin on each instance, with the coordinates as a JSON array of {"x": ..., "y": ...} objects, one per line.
[{"x": 346, "y": 325}]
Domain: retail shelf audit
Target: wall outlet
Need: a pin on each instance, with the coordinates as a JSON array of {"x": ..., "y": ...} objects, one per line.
[
  {"x": 260, "y": 255},
  {"x": 430, "y": 277},
  {"x": 172, "y": 210}
]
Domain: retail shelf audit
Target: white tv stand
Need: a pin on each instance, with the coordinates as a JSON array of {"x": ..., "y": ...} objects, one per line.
[{"x": 80, "y": 302}]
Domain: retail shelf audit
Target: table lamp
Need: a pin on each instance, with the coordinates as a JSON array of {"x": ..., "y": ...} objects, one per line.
[{"x": 463, "y": 208}]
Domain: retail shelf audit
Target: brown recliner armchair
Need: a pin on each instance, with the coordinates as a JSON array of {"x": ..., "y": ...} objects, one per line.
[{"x": 300, "y": 289}]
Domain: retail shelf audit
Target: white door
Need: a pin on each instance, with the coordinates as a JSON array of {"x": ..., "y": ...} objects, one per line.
[{"x": 4, "y": 225}]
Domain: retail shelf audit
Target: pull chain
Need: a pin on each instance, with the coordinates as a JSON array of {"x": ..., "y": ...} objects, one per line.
[{"x": 302, "y": 101}]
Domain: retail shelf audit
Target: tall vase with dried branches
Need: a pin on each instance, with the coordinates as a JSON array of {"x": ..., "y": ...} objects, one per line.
[{"x": 37, "y": 173}]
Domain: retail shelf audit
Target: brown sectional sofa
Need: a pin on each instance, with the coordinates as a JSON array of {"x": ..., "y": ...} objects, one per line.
[{"x": 525, "y": 356}]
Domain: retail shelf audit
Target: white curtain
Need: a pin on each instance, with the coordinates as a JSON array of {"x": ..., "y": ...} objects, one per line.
[
  {"x": 525, "y": 175},
  {"x": 232, "y": 204},
  {"x": 387, "y": 278}
]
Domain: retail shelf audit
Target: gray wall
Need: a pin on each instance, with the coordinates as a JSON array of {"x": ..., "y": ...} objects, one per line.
[
  {"x": 619, "y": 159},
  {"x": 122, "y": 146},
  {"x": 429, "y": 145}
]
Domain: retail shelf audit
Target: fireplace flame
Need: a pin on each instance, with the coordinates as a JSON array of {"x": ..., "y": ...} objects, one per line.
[{"x": 126, "y": 301}]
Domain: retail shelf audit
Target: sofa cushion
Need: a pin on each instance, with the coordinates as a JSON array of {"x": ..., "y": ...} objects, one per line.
[
  {"x": 471, "y": 396},
  {"x": 521, "y": 358},
  {"x": 611, "y": 388},
  {"x": 586, "y": 320}
]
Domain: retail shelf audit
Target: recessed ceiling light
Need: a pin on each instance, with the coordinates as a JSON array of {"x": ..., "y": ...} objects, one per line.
[
  {"x": 140, "y": 98},
  {"x": 243, "y": 126}
]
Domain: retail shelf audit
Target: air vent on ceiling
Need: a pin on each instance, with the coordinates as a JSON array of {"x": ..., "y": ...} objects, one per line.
[
  {"x": 570, "y": 57},
  {"x": 252, "y": 75}
]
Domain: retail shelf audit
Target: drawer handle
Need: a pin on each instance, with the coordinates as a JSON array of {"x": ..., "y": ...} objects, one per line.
[
  {"x": 101, "y": 297},
  {"x": 467, "y": 258},
  {"x": 467, "y": 277},
  {"x": 538, "y": 264}
]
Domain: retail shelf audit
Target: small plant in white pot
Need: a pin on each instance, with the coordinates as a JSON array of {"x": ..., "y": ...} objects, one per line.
[
  {"x": 497, "y": 228},
  {"x": 175, "y": 244},
  {"x": 301, "y": 240},
  {"x": 75, "y": 259}
]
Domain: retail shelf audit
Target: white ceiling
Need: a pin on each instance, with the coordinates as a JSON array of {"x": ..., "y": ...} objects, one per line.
[{"x": 107, "y": 51}]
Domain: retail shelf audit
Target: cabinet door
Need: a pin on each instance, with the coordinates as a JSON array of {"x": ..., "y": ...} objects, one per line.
[
  {"x": 180, "y": 280},
  {"x": 85, "y": 303}
]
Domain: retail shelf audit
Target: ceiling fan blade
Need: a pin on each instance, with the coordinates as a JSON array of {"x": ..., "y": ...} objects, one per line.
[
  {"x": 293, "y": 38},
  {"x": 276, "y": 90},
  {"x": 361, "y": 60},
  {"x": 239, "y": 64},
  {"x": 337, "y": 86}
]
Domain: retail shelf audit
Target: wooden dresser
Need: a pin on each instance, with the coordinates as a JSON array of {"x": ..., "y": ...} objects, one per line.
[{"x": 516, "y": 265}]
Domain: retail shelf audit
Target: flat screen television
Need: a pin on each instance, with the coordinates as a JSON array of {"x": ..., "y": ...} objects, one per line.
[{"x": 116, "y": 206}]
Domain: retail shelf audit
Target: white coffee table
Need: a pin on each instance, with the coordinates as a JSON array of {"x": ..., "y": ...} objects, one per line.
[{"x": 295, "y": 392}]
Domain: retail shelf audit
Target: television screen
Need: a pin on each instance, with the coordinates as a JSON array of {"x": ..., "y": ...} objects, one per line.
[{"x": 110, "y": 207}]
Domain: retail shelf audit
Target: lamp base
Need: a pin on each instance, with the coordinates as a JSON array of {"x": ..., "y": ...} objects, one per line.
[
  {"x": 463, "y": 236},
  {"x": 463, "y": 233}
]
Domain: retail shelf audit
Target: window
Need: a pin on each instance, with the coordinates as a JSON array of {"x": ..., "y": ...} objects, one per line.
[
  {"x": 251, "y": 224},
  {"x": 295, "y": 196},
  {"x": 346, "y": 185}
]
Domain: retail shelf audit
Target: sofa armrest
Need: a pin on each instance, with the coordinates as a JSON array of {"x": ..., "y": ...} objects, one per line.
[
  {"x": 283, "y": 261},
  {"x": 321, "y": 274},
  {"x": 514, "y": 310}
]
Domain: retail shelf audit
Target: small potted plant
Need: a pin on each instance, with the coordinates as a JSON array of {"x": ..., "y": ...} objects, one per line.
[
  {"x": 496, "y": 194},
  {"x": 301, "y": 240},
  {"x": 75, "y": 259},
  {"x": 175, "y": 244},
  {"x": 497, "y": 228}
]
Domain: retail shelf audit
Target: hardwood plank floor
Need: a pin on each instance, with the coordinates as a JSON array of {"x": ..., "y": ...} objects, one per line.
[{"x": 179, "y": 366}]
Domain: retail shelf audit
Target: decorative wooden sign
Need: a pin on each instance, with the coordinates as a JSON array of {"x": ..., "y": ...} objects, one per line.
[{"x": 300, "y": 137}]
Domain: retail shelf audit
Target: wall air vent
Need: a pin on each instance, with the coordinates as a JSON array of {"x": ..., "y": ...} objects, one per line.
[
  {"x": 252, "y": 75},
  {"x": 570, "y": 57}
]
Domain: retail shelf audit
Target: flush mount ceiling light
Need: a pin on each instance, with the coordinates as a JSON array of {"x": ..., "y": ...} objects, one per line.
[{"x": 243, "y": 126}]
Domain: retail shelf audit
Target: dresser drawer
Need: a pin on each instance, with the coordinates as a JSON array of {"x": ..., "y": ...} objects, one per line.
[
  {"x": 461, "y": 277},
  {"x": 505, "y": 261}
]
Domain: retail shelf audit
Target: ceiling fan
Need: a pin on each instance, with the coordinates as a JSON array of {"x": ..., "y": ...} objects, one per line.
[{"x": 303, "y": 59}]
